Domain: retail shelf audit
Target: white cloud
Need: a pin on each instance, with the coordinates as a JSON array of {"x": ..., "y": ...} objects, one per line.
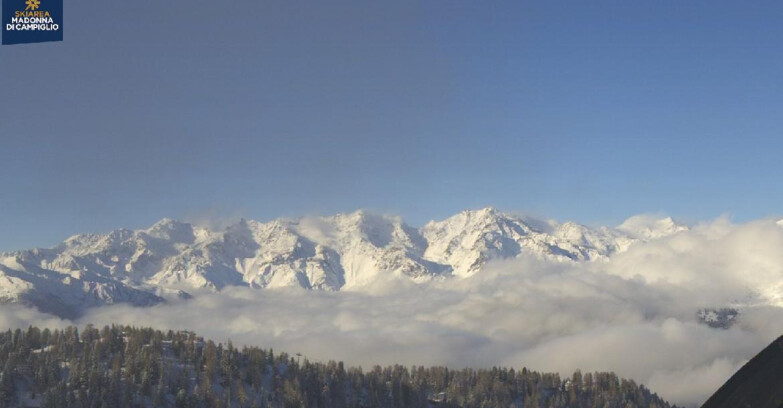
[
  {"x": 17, "y": 316},
  {"x": 688, "y": 385}
]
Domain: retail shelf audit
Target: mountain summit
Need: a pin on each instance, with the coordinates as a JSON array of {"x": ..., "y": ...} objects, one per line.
[{"x": 340, "y": 252}]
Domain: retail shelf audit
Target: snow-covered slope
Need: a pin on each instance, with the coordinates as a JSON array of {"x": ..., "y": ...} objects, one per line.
[
  {"x": 469, "y": 239},
  {"x": 63, "y": 294},
  {"x": 341, "y": 252}
]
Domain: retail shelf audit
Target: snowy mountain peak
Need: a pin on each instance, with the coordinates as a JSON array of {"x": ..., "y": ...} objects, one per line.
[
  {"x": 343, "y": 251},
  {"x": 648, "y": 226},
  {"x": 486, "y": 214},
  {"x": 172, "y": 230}
]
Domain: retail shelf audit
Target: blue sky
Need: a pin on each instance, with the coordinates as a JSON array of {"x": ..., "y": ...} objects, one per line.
[{"x": 590, "y": 111}]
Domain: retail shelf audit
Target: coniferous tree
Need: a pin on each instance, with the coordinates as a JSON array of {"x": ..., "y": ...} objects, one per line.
[{"x": 121, "y": 366}]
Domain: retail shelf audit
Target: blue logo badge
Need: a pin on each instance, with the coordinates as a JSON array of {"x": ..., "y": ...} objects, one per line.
[{"x": 32, "y": 21}]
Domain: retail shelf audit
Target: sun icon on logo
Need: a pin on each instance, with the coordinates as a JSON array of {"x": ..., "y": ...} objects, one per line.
[{"x": 32, "y": 4}]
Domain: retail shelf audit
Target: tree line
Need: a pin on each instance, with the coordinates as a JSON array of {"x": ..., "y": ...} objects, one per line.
[{"x": 127, "y": 367}]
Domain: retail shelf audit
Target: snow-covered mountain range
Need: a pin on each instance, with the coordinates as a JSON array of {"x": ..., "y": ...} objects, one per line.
[{"x": 341, "y": 252}]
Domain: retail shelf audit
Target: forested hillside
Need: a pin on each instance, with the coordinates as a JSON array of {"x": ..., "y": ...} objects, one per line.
[{"x": 122, "y": 366}]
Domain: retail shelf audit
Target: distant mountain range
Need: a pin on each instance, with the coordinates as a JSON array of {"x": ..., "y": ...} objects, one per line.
[{"x": 341, "y": 252}]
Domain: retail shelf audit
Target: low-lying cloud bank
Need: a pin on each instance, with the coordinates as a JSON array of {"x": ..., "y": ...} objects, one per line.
[{"x": 634, "y": 314}]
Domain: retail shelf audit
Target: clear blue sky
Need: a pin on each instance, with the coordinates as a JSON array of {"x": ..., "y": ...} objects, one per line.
[{"x": 583, "y": 110}]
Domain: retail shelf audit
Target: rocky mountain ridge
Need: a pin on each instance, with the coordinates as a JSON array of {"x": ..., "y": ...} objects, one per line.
[{"x": 340, "y": 252}]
